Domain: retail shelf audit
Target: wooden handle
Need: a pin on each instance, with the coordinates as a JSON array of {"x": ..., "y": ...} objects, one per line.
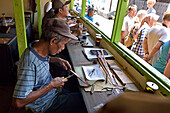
[{"x": 80, "y": 78}]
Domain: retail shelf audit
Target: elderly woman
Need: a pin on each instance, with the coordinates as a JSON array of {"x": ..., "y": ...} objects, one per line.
[{"x": 147, "y": 22}]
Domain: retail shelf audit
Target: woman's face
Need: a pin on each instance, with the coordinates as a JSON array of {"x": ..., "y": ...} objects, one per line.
[{"x": 150, "y": 5}]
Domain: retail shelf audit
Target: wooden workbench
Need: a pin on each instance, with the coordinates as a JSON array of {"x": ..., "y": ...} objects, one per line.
[{"x": 78, "y": 59}]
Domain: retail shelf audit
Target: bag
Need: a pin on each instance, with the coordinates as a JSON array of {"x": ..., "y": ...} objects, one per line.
[{"x": 128, "y": 41}]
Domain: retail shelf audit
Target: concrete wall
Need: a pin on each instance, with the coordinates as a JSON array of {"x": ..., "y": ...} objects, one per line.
[{"x": 6, "y": 6}]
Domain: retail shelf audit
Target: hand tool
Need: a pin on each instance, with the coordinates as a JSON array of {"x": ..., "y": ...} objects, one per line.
[
  {"x": 92, "y": 89},
  {"x": 80, "y": 78}
]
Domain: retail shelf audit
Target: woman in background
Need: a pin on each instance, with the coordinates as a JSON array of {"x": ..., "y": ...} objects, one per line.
[
  {"x": 147, "y": 22},
  {"x": 150, "y": 4}
]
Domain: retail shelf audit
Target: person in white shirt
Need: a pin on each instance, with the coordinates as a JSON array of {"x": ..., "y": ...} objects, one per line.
[
  {"x": 128, "y": 22},
  {"x": 155, "y": 38}
]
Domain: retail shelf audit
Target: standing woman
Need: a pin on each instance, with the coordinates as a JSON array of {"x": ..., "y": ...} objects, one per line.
[
  {"x": 147, "y": 22},
  {"x": 150, "y": 4}
]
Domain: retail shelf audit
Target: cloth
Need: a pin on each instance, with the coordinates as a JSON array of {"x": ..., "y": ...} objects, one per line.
[
  {"x": 152, "y": 10},
  {"x": 161, "y": 63},
  {"x": 47, "y": 6},
  {"x": 58, "y": 26},
  {"x": 155, "y": 34},
  {"x": 137, "y": 46},
  {"x": 33, "y": 74},
  {"x": 49, "y": 14},
  {"x": 90, "y": 18},
  {"x": 72, "y": 102},
  {"x": 60, "y": 3},
  {"x": 128, "y": 23}
]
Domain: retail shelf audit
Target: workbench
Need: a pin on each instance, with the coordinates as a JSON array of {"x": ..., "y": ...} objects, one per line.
[{"x": 78, "y": 59}]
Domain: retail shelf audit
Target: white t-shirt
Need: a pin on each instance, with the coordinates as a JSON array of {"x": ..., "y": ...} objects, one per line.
[
  {"x": 155, "y": 34},
  {"x": 127, "y": 24},
  {"x": 47, "y": 6}
]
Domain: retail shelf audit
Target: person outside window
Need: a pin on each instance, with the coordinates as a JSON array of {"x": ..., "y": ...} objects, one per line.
[
  {"x": 132, "y": 34},
  {"x": 147, "y": 22},
  {"x": 90, "y": 14},
  {"x": 128, "y": 22},
  {"x": 161, "y": 63},
  {"x": 35, "y": 88},
  {"x": 155, "y": 38},
  {"x": 150, "y": 4}
]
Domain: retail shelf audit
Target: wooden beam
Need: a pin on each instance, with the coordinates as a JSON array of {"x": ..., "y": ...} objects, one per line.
[{"x": 20, "y": 25}]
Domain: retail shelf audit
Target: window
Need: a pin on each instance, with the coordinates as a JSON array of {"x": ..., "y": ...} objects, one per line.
[
  {"x": 104, "y": 13},
  {"x": 103, "y": 10}
]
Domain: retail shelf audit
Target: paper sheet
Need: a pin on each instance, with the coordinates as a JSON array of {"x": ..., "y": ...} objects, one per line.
[{"x": 93, "y": 72}]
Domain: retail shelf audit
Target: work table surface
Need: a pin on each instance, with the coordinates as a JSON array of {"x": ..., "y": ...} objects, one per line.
[{"x": 78, "y": 59}]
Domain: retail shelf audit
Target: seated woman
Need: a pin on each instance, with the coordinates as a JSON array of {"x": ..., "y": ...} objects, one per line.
[
  {"x": 147, "y": 22},
  {"x": 162, "y": 64}
]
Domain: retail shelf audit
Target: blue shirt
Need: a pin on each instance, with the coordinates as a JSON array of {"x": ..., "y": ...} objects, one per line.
[
  {"x": 33, "y": 74},
  {"x": 152, "y": 10},
  {"x": 90, "y": 18},
  {"x": 161, "y": 63}
]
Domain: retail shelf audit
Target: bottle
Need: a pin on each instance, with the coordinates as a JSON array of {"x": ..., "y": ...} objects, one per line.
[{"x": 4, "y": 23}]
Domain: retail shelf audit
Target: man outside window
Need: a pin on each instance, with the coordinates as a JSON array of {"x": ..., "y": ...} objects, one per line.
[{"x": 128, "y": 22}]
